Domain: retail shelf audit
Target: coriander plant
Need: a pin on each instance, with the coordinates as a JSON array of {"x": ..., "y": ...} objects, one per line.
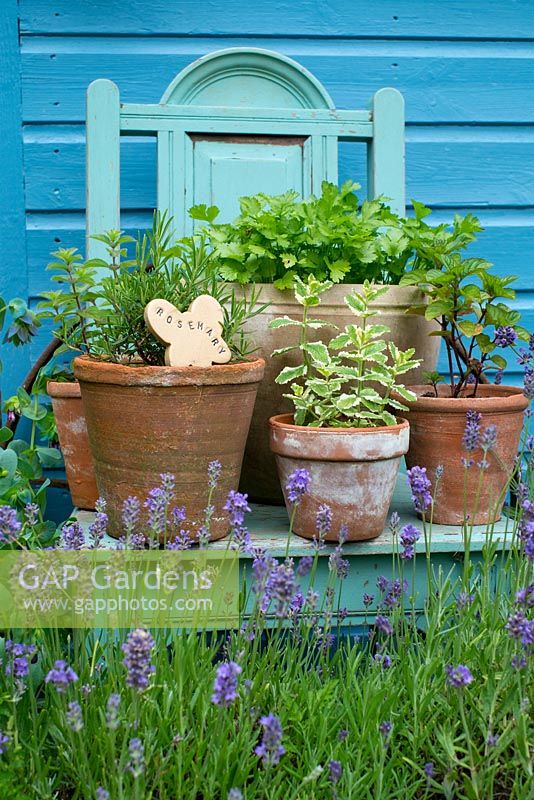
[
  {"x": 331, "y": 237},
  {"x": 338, "y": 381}
]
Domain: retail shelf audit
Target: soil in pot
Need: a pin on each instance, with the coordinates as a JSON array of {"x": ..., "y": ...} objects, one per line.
[
  {"x": 437, "y": 426},
  {"x": 144, "y": 421},
  {"x": 259, "y": 477},
  {"x": 74, "y": 442},
  {"x": 352, "y": 470}
]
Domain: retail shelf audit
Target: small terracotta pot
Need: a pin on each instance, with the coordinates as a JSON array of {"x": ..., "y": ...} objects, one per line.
[
  {"x": 352, "y": 470},
  {"x": 437, "y": 426},
  {"x": 74, "y": 442},
  {"x": 143, "y": 421}
]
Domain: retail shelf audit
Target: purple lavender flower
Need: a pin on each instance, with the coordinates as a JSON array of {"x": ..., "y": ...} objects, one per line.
[
  {"x": 489, "y": 438},
  {"x": 385, "y": 728},
  {"x": 131, "y": 512},
  {"x": 72, "y": 536},
  {"x": 61, "y": 676},
  {"x": 335, "y": 771},
  {"x": 342, "y": 735},
  {"x": 137, "y": 651},
  {"x": 156, "y": 504},
  {"x": 304, "y": 566},
  {"x": 459, "y": 676},
  {"x": 368, "y": 599},
  {"x": 167, "y": 486},
  {"x": 505, "y": 336},
  {"x": 409, "y": 535},
  {"x": 521, "y": 628},
  {"x": 498, "y": 377},
  {"x": 471, "y": 437},
  {"x": 323, "y": 521},
  {"x": 464, "y": 600},
  {"x": 492, "y": 739},
  {"x": 112, "y": 711},
  {"x": 136, "y": 764},
  {"x": 394, "y": 523},
  {"x": 420, "y": 487},
  {"x": 101, "y": 793},
  {"x": 383, "y": 659},
  {"x": 180, "y": 541},
  {"x": 297, "y": 485},
  {"x": 225, "y": 684},
  {"x": 235, "y": 794},
  {"x": 214, "y": 473},
  {"x": 237, "y": 506},
  {"x": 31, "y": 514},
  {"x": 98, "y": 528},
  {"x": 280, "y": 588},
  {"x": 525, "y": 597},
  {"x": 429, "y": 770},
  {"x": 4, "y": 741},
  {"x": 519, "y": 662},
  {"x": 528, "y": 382},
  {"x": 337, "y": 564},
  {"x": 9, "y": 524},
  {"x": 270, "y": 748},
  {"x": 383, "y": 625},
  {"x": 74, "y": 716},
  {"x": 240, "y": 539},
  {"x": 382, "y": 583}
]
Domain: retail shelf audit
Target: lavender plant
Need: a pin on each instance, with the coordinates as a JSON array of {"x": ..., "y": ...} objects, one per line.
[{"x": 338, "y": 381}]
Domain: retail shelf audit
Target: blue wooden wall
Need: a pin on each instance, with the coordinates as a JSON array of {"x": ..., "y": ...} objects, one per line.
[{"x": 465, "y": 67}]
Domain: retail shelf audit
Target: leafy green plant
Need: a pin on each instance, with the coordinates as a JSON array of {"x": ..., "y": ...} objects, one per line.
[
  {"x": 332, "y": 237},
  {"x": 100, "y": 310},
  {"x": 466, "y": 301},
  {"x": 339, "y": 380}
]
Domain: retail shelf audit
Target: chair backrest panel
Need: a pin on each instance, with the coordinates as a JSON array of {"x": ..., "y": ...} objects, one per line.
[{"x": 234, "y": 123}]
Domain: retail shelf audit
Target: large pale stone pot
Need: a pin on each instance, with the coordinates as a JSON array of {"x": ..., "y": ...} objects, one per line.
[
  {"x": 352, "y": 470},
  {"x": 259, "y": 476}
]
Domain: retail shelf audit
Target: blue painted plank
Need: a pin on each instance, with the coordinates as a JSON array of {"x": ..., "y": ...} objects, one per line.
[
  {"x": 387, "y": 18},
  {"x": 462, "y": 87},
  {"x": 438, "y": 173},
  {"x": 13, "y": 277}
]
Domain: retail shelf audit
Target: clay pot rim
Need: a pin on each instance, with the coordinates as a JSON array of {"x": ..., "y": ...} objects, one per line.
[
  {"x": 397, "y": 297},
  {"x": 63, "y": 389},
  {"x": 502, "y": 399},
  {"x": 93, "y": 370},
  {"x": 283, "y": 421}
]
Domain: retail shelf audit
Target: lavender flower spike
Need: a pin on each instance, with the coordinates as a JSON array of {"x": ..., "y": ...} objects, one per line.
[
  {"x": 420, "y": 487},
  {"x": 297, "y": 485},
  {"x": 471, "y": 436},
  {"x": 61, "y": 676},
  {"x": 225, "y": 684},
  {"x": 4, "y": 740},
  {"x": 136, "y": 764},
  {"x": 214, "y": 473},
  {"x": 270, "y": 748},
  {"x": 9, "y": 524},
  {"x": 137, "y": 650},
  {"x": 459, "y": 676},
  {"x": 74, "y": 716},
  {"x": 237, "y": 506}
]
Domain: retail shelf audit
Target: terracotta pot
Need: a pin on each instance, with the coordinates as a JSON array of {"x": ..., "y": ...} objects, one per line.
[
  {"x": 259, "y": 476},
  {"x": 352, "y": 470},
  {"x": 74, "y": 442},
  {"x": 143, "y": 421},
  {"x": 437, "y": 427}
]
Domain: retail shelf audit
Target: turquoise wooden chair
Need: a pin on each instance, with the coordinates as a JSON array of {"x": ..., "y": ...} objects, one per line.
[{"x": 233, "y": 123}]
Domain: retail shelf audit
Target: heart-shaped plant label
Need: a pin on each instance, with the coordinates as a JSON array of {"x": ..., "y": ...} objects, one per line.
[{"x": 193, "y": 337}]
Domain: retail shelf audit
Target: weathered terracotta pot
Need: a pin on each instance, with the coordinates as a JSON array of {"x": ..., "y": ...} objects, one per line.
[
  {"x": 437, "y": 426},
  {"x": 258, "y": 476},
  {"x": 74, "y": 442},
  {"x": 352, "y": 470},
  {"x": 143, "y": 421}
]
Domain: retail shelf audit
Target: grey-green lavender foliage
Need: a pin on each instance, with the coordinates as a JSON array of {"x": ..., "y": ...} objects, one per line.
[{"x": 337, "y": 383}]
